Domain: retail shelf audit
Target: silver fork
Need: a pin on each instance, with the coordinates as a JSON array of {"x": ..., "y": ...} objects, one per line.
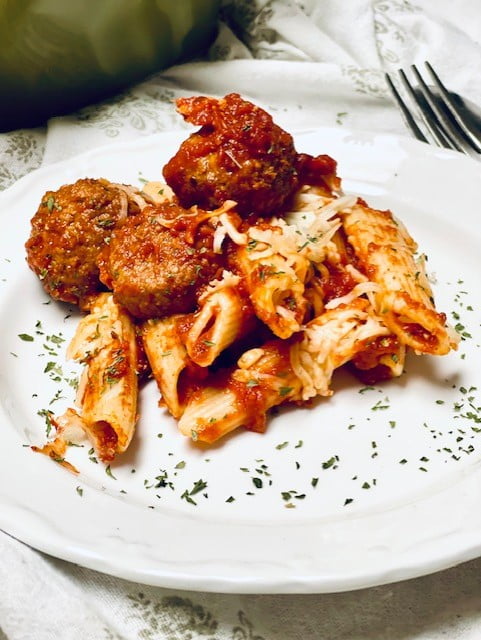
[{"x": 445, "y": 119}]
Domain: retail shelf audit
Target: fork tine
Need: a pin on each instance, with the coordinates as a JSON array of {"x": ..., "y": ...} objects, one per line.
[
  {"x": 443, "y": 122},
  {"x": 411, "y": 123},
  {"x": 440, "y": 115},
  {"x": 453, "y": 109},
  {"x": 428, "y": 117}
]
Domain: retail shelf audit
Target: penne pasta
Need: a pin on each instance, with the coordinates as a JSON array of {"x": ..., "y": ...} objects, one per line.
[
  {"x": 262, "y": 379},
  {"x": 106, "y": 343},
  {"x": 278, "y": 259},
  {"x": 211, "y": 414},
  {"x": 167, "y": 357},
  {"x": 224, "y": 316},
  {"x": 275, "y": 280},
  {"x": 331, "y": 340},
  {"x": 404, "y": 298}
]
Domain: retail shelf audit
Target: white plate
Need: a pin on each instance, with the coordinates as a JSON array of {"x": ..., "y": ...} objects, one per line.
[{"x": 406, "y": 454}]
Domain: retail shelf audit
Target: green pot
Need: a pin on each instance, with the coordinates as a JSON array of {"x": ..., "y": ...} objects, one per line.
[{"x": 60, "y": 55}]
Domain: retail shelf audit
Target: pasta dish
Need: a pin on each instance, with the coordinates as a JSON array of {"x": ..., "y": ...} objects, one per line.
[{"x": 240, "y": 282}]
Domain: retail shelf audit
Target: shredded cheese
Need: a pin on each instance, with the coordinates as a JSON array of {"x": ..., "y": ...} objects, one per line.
[
  {"x": 358, "y": 290},
  {"x": 226, "y": 227},
  {"x": 328, "y": 342}
]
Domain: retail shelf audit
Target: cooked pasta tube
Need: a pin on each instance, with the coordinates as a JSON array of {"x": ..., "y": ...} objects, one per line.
[
  {"x": 262, "y": 379},
  {"x": 278, "y": 296},
  {"x": 382, "y": 357},
  {"x": 404, "y": 298},
  {"x": 277, "y": 259},
  {"x": 331, "y": 340},
  {"x": 223, "y": 317},
  {"x": 211, "y": 414},
  {"x": 105, "y": 341},
  {"x": 275, "y": 284},
  {"x": 167, "y": 357}
]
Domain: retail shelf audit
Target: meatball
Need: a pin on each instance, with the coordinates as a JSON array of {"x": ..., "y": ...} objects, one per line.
[
  {"x": 157, "y": 261},
  {"x": 238, "y": 154},
  {"x": 68, "y": 231}
]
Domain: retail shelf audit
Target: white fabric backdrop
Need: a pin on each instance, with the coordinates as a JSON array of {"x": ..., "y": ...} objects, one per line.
[{"x": 311, "y": 63}]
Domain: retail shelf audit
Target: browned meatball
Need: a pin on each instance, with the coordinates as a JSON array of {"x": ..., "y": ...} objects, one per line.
[
  {"x": 238, "y": 154},
  {"x": 156, "y": 270},
  {"x": 69, "y": 229}
]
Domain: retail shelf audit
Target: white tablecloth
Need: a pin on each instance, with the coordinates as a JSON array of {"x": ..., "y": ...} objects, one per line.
[{"x": 310, "y": 63}]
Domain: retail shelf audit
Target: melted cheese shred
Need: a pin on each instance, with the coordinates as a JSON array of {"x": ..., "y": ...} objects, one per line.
[{"x": 331, "y": 340}]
